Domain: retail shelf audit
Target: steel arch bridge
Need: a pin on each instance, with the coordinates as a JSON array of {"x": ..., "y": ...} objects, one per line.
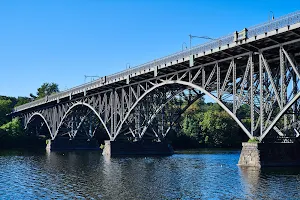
[{"x": 258, "y": 67}]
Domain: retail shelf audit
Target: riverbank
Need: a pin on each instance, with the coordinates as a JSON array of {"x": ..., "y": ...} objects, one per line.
[
  {"x": 30, "y": 142},
  {"x": 25, "y": 142}
]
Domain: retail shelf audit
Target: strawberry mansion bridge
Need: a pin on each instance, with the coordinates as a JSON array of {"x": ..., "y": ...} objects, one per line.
[{"x": 257, "y": 66}]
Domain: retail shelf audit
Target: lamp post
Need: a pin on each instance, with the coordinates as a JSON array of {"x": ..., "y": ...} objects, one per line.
[
  {"x": 86, "y": 76},
  {"x": 127, "y": 65},
  {"x": 201, "y": 37},
  {"x": 183, "y": 46},
  {"x": 272, "y": 15}
]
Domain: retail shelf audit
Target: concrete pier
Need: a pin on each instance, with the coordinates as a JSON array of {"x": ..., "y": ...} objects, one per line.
[
  {"x": 249, "y": 155},
  {"x": 116, "y": 148},
  {"x": 270, "y": 154},
  {"x": 60, "y": 144}
]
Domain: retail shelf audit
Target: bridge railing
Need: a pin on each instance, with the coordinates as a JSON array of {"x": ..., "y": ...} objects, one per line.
[
  {"x": 176, "y": 56},
  {"x": 272, "y": 25},
  {"x": 280, "y": 22}
]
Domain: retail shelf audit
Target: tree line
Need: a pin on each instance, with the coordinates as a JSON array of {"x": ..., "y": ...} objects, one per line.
[{"x": 11, "y": 129}]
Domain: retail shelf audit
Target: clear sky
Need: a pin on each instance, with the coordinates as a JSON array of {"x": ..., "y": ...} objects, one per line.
[{"x": 61, "y": 41}]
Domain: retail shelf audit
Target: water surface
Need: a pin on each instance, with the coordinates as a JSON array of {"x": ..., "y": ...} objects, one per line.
[{"x": 207, "y": 174}]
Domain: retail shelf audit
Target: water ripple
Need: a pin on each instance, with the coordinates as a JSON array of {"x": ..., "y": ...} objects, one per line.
[{"x": 89, "y": 175}]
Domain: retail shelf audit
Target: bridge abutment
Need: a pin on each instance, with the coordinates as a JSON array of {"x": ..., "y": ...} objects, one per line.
[
  {"x": 270, "y": 155},
  {"x": 118, "y": 148}
]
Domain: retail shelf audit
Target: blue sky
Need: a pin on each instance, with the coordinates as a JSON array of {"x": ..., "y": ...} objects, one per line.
[{"x": 61, "y": 41}]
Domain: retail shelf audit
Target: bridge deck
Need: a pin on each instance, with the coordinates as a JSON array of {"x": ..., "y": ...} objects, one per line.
[{"x": 257, "y": 38}]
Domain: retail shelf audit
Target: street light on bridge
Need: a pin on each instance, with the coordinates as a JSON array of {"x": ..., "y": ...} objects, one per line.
[
  {"x": 184, "y": 46},
  {"x": 92, "y": 77},
  {"x": 201, "y": 37},
  {"x": 272, "y": 15}
]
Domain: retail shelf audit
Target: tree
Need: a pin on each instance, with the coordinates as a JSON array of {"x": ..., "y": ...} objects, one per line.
[
  {"x": 5, "y": 108},
  {"x": 22, "y": 100},
  {"x": 219, "y": 129},
  {"x": 7, "y": 104},
  {"x": 45, "y": 90},
  {"x": 191, "y": 120},
  {"x": 12, "y": 128}
]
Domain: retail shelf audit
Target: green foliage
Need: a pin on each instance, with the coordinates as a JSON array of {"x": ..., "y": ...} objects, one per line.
[
  {"x": 45, "y": 90},
  {"x": 206, "y": 139},
  {"x": 218, "y": 128},
  {"x": 253, "y": 140},
  {"x": 22, "y": 100},
  {"x": 192, "y": 117},
  {"x": 11, "y": 131},
  {"x": 5, "y": 108},
  {"x": 12, "y": 99},
  {"x": 207, "y": 124},
  {"x": 12, "y": 128},
  {"x": 16, "y": 101},
  {"x": 102, "y": 146}
]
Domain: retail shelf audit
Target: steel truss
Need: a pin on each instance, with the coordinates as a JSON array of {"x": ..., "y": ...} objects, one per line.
[{"x": 266, "y": 80}]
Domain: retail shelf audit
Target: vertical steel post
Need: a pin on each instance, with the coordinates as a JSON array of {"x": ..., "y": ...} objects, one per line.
[
  {"x": 139, "y": 111},
  {"x": 261, "y": 96},
  {"x": 218, "y": 81},
  {"x": 283, "y": 84},
  {"x": 203, "y": 77},
  {"x": 112, "y": 107},
  {"x": 72, "y": 125},
  {"x": 122, "y": 104},
  {"x": 251, "y": 95},
  {"x": 115, "y": 109},
  {"x": 295, "y": 89},
  {"x": 234, "y": 86},
  {"x": 105, "y": 108}
]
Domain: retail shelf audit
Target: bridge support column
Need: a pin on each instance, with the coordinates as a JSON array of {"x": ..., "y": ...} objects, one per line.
[
  {"x": 118, "y": 148},
  {"x": 249, "y": 155},
  {"x": 272, "y": 154}
]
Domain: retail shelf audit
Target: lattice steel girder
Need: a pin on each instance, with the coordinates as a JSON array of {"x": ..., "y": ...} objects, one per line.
[{"x": 258, "y": 79}]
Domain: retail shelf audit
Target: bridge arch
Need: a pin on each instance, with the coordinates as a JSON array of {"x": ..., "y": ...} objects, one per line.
[
  {"x": 81, "y": 104},
  {"x": 44, "y": 119},
  {"x": 192, "y": 85}
]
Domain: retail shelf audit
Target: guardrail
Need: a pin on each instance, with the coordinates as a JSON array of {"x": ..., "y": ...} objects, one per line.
[{"x": 280, "y": 22}]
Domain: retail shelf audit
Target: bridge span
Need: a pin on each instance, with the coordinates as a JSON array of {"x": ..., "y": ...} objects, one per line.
[{"x": 257, "y": 66}]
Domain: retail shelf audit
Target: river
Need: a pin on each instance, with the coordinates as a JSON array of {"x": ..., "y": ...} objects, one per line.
[{"x": 206, "y": 174}]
